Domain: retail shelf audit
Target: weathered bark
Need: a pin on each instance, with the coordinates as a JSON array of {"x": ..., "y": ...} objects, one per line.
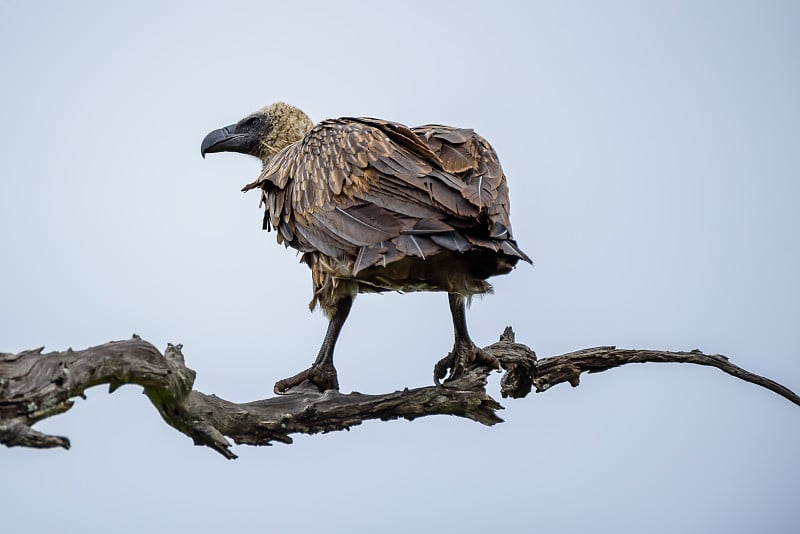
[{"x": 34, "y": 386}]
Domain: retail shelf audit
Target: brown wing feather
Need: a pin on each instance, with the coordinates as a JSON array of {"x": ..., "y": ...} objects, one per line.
[{"x": 372, "y": 192}]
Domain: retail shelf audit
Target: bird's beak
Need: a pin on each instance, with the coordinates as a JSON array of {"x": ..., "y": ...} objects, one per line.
[{"x": 223, "y": 140}]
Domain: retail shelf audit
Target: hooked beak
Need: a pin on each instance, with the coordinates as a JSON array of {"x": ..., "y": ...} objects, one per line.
[{"x": 224, "y": 140}]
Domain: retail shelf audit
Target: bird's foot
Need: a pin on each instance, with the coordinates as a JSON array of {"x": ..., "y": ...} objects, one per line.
[
  {"x": 323, "y": 377},
  {"x": 463, "y": 356}
]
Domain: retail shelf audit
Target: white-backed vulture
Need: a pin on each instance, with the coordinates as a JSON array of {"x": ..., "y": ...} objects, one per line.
[{"x": 377, "y": 206}]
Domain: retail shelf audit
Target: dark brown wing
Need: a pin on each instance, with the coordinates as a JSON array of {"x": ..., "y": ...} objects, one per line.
[
  {"x": 369, "y": 192},
  {"x": 474, "y": 162}
]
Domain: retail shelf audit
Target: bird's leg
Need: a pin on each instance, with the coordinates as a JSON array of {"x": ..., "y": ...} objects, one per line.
[
  {"x": 322, "y": 373},
  {"x": 464, "y": 352}
]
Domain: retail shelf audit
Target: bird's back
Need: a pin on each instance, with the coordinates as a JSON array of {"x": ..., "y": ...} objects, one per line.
[{"x": 376, "y": 206}]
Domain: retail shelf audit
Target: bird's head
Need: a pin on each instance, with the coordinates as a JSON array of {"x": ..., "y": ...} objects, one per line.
[{"x": 261, "y": 134}]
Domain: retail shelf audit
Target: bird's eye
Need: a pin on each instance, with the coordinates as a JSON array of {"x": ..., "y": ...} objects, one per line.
[{"x": 252, "y": 122}]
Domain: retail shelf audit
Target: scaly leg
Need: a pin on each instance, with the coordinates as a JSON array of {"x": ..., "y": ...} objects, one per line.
[
  {"x": 322, "y": 373},
  {"x": 464, "y": 352}
]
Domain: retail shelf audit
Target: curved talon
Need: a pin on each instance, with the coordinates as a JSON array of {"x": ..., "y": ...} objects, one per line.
[
  {"x": 323, "y": 377},
  {"x": 462, "y": 357},
  {"x": 441, "y": 367},
  {"x": 282, "y": 386},
  {"x": 481, "y": 357}
]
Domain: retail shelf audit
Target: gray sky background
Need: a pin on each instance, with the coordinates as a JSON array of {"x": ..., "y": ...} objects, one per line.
[{"x": 652, "y": 150}]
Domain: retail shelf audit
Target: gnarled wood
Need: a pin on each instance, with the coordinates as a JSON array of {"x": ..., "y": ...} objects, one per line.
[{"x": 36, "y": 385}]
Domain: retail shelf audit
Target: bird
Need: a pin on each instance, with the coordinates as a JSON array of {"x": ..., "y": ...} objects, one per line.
[{"x": 374, "y": 206}]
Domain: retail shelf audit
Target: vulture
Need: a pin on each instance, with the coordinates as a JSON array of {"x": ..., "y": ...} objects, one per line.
[{"x": 376, "y": 206}]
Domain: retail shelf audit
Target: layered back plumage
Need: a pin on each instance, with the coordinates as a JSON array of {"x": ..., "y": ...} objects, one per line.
[{"x": 375, "y": 206}]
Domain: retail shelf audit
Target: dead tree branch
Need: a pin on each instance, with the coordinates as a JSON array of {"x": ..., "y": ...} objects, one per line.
[{"x": 36, "y": 385}]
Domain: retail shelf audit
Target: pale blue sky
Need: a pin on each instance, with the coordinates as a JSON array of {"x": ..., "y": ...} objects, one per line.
[{"x": 653, "y": 155}]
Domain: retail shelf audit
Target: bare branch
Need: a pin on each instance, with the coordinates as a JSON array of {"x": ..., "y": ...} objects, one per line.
[
  {"x": 568, "y": 367},
  {"x": 35, "y": 385}
]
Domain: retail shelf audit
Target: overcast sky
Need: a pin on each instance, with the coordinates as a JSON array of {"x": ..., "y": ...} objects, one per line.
[{"x": 653, "y": 155}]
